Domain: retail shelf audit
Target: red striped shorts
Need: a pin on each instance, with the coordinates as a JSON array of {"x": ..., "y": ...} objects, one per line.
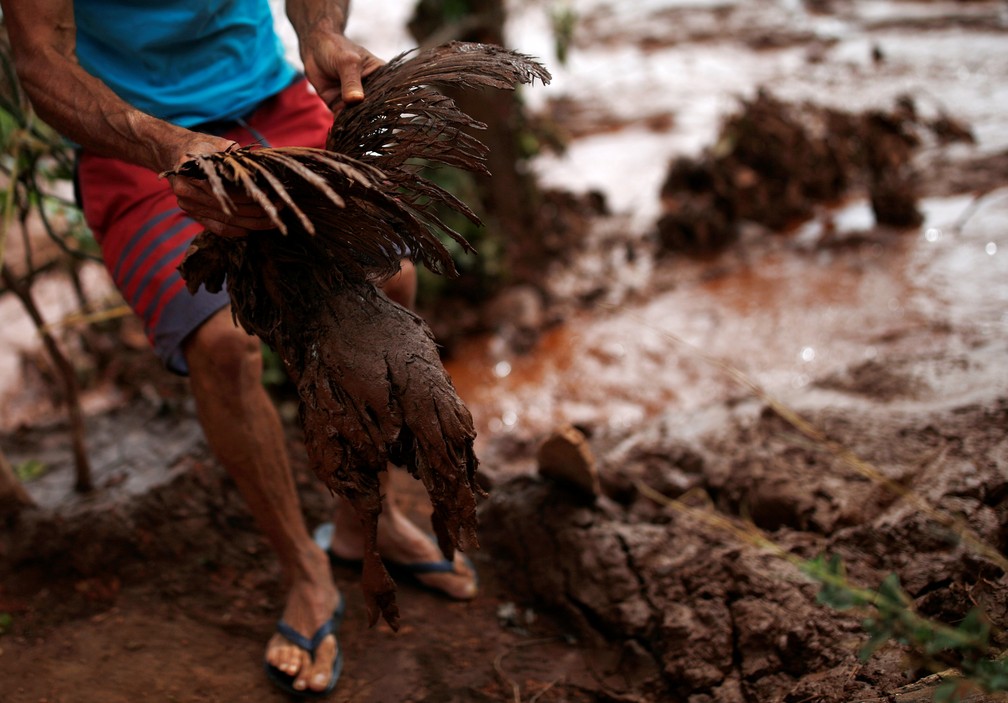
[{"x": 143, "y": 234}]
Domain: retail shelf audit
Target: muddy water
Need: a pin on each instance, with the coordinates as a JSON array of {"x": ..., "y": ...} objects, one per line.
[
  {"x": 787, "y": 312},
  {"x": 694, "y": 60}
]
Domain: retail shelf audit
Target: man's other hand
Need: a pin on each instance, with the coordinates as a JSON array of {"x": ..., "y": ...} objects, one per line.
[{"x": 336, "y": 66}]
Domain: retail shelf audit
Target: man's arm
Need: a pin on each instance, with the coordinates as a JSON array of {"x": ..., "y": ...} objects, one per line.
[
  {"x": 333, "y": 63},
  {"x": 75, "y": 103},
  {"x": 82, "y": 108}
]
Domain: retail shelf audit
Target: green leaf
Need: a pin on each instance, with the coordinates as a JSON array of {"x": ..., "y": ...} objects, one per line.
[
  {"x": 835, "y": 566},
  {"x": 874, "y": 644},
  {"x": 941, "y": 641},
  {"x": 891, "y": 590},
  {"x": 991, "y": 674},
  {"x": 29, "y": 470},
  {"x": 835, "y": 591},
  {"x": 814, "y": 566},
  {"x": 975, "y": 625},
  {"x": 838, "y": 597},
  {"x": 6, "y": 620},
  {"x": 273, "y": 373},
  {"x": 948, "y": 691}
]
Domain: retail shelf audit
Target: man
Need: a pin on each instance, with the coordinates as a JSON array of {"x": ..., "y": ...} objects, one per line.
[{"x": 140, "y": 86}]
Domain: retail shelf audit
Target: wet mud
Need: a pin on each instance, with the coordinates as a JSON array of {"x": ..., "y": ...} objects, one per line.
[
  {"x": 774, "y": 164},
  {"x": 704, "y": 615},
  {"x": 619, "y": 375}
]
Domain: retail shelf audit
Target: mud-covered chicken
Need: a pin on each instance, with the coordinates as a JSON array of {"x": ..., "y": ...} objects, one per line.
[{"x": 371, "y": 385}]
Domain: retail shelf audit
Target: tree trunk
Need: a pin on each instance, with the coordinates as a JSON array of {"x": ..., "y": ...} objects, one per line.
[{"x": 510, "y": 194}]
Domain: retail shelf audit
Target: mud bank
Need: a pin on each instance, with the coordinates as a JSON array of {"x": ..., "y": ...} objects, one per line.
[{"x": 703, "y": 615}]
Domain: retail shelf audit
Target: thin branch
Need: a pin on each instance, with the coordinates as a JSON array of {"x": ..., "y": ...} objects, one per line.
[
  {"x": 50, "y": 230},
  {"x": 8, "y": 201},
  {"x": 87, "y": 318},
  {"x": 498, "y": 665},
  {"x": 515, "y": 688},
  {"x": 973, "y": 208},
  {"x": 547, "y": 687},
  {"x": 82, "y": 466}
]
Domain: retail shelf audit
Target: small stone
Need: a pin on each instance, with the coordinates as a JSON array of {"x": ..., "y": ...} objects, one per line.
[{"x": 566, "y": 457}]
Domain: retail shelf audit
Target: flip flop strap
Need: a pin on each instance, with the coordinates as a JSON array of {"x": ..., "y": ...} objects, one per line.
[
  {"x": 320, "y": 634},
  {"x": 310, "y": 645},
  {"x": 429, "y": 567},
  {"x": 296, "y": 638}
]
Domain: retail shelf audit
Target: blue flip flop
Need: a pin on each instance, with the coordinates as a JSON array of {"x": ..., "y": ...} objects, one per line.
[
  {"x": 330, "y": 627},
  {"x": 323, "y": 538}
]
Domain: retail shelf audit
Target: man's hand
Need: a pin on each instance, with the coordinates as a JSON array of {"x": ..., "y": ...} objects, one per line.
[
  {"x": 333, "y": 64},
  {"x": 197, "y": 199}
]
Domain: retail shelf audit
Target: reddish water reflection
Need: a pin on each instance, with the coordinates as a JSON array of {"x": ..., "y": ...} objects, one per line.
[{"x": 785, "y": 316}]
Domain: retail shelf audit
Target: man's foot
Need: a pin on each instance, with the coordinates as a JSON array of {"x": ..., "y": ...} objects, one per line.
[
  {"x": 310, "y": 604},
  {"x": 402, "y": 543}
]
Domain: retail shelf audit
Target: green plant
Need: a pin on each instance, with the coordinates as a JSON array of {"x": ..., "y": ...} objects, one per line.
[
  {"x": 563, "y": 20},
  {"x": 963, "y": 655},
  {"x": 481, "y": 273},
  {"x": 274, "y": 375},
  {"x": 30, "y": 470},
  {"x": 935, "y": 645},
  {"x": 34, "y": 157}
]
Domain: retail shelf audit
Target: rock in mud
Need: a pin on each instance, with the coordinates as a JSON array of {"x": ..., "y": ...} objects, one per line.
[{"x": 565, "y": 456}]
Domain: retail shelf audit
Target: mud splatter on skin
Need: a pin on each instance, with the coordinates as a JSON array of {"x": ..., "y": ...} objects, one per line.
[{"x": 369, "y": 377}]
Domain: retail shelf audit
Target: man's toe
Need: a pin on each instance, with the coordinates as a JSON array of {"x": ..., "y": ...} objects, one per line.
[
  {"x": 285, "y": 657},
  {"x": 460, "y": 583},
  {"x": 316, "y": 675}
]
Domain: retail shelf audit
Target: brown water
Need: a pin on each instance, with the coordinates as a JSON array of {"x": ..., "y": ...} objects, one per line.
[{"x": 784, "y": 311}]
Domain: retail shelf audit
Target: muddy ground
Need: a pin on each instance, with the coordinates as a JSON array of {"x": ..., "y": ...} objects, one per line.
[{"x": 889, "y": 342}]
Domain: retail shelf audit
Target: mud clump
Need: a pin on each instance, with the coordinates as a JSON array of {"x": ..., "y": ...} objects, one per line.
[
  {"x": 774, "y": 163},
  {"x": 718, "y": 622},
  {"x": 706, "y": 616}
]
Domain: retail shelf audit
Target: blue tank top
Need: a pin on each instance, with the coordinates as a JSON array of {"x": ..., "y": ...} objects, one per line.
[{"x": 184, "y": 61}]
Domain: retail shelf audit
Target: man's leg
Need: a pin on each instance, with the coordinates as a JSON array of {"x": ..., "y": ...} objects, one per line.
[
  {"x": 400, "y": 540},
  {"x": 245, "y": 434},
  {"x": 143, "y": 236},
  {"x": 298, "y": 117}
]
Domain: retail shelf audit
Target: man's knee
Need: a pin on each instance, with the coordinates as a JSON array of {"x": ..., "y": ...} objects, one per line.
[{"x": 222, "y": 354}]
